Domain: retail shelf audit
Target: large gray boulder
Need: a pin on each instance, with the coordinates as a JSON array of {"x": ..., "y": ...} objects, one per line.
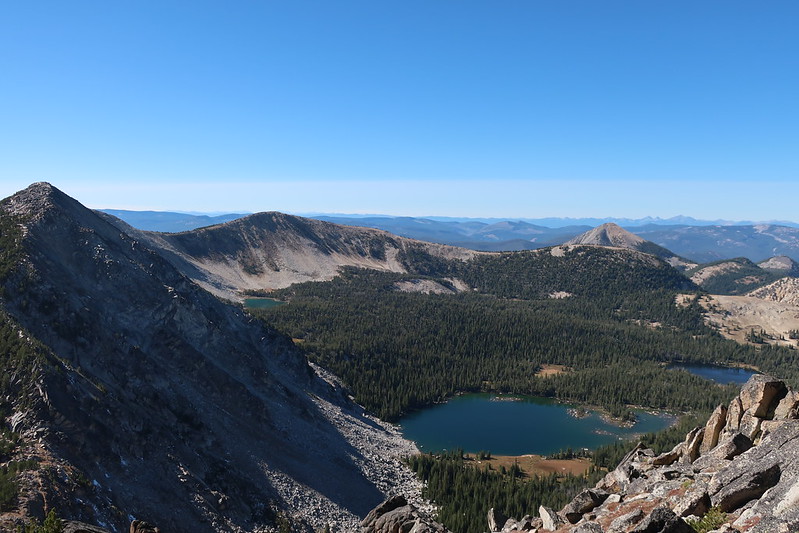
[
  {"x": 713, "y": 429},
  {"x": 720, "y": 456},
  {"x": 761, "y": 394},
  {"x": 551, "y": 520},
  {"x": 626, "y": 521},
  {"x": 773, "y": 464},
  {"x": 662, "y": 520},
  {"x": 788, "y": 406},
  {"x": 395, "y": 515},
  {"x": 584, "y": 502}
]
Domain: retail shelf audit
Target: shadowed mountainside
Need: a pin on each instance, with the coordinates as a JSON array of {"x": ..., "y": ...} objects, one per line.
[{"x": 147, "y": 389}]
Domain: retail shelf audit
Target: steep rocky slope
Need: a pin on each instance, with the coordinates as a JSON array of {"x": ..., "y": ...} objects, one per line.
[
  {"x": 610, "y": 234},
  {"x": 736, "y": 317},
  {"x": 739, "y": 472},
  {"x": 272, "y": 250},
  {"x": 152, "y": 399},
  {"x": 785, "y": 290}
]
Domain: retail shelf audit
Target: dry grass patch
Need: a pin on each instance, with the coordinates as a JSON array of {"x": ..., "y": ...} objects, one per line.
[
  {"x": 531, "y": 465},
  {"x": 551, "y": 370}
]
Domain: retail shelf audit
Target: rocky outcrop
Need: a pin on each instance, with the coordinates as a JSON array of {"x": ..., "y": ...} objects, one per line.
[
  {"x": 586, "y": 501},
  {"x": 71, "y": 526},
  {"x": 396, "y": 515},
  {"x": 784, "y": 290},
  {"x": 743, "y": 465},
  {"x": 140, "y": 526}
]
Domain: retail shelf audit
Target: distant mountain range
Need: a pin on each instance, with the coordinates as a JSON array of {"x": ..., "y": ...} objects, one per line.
[
  {"x": 168, "y": 221},
  {"x": 695, "y": 240}
]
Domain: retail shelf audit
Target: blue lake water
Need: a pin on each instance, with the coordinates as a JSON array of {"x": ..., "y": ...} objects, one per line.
[
  {"x": 718, "y": 374},
  {"x": 532, "y": 425},
  {"x": 262, "y": 303}
]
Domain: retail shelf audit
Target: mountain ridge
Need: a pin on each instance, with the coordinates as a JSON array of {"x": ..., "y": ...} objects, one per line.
[
  {"x": 272, "y": 250},
  {"x": 700, "y": 241},
  {"x": 158, "y": 391}
]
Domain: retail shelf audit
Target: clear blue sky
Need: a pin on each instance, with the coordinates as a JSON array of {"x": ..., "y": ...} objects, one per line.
[{"x": 513, "y": 108}]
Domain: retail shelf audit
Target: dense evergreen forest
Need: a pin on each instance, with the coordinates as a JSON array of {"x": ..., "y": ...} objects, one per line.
[
  {"x": 615, "y": 327},
  {"x": 464, "y": 493},
  {"x": 615, "y": 333}
]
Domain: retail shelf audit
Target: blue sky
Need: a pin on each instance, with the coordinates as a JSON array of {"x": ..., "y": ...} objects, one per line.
[{"x": 462, "y": 108}]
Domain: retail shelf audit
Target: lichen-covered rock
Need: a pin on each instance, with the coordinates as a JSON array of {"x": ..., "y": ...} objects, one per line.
[
  {"x": 588, "y": 527},
  {"x": 734, "y": 413},
  {"x": 744, "y": 480},
  {"x": 695, "y": 501},
  {"x": 750, "y": 425},
  {"x": 628, "y": 469},
  {"x": 719, "y": 457}
]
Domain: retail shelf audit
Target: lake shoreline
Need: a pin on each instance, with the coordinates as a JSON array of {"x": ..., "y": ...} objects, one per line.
[{"x": 517, "y": 425}]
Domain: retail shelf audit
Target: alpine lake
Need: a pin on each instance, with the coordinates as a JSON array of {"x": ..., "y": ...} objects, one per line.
[
  {"x": 518, "y": 425},
  {"x": 261, "y": 303}
]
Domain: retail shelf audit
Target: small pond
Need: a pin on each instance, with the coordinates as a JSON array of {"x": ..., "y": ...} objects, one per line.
[
  {"x": 261, "y": 303},
  {"x": 718, "y": 374},
  {"x": 516, "y": 425}
]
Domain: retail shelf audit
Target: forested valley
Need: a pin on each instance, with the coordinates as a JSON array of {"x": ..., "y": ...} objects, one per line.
[
  {"x": 615, "y": 333},
  {"x": 615, "y": 329}
]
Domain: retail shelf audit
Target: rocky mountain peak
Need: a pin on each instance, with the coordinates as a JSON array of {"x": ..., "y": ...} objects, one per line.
[
  {"x": 34, "y": 200},
  {"x": 154, "y": 391},
  {"x": 609, "y": 234},
  {"x": 42, "y": 202},
  {"x": 782, "y": 264}
]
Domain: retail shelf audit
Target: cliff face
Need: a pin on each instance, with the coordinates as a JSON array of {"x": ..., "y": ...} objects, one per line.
[
  {"x": 160, "y": 402},
  {"x": 740, "y": 472}
]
